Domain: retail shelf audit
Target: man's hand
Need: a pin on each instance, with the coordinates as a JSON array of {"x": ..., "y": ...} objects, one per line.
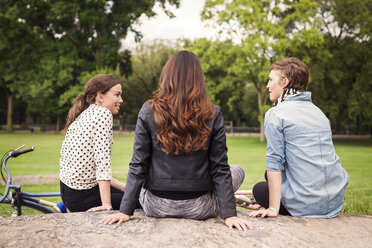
[
  {"x": 240, "y": 224},
  {"x": 118, "y": 217}
]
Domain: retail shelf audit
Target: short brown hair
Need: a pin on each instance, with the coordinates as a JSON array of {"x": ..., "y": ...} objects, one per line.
[{"x": 295, "y": 70}]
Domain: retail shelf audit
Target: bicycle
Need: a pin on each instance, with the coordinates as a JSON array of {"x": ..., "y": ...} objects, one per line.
[
  {"x": 19, "y": 198},
  {"x": 242, "y": 201}
]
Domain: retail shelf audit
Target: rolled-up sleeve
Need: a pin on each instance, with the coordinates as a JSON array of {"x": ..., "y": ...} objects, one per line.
[
  {"x": 220, "y": 170},
  {"x": 102, "y": 145},
  {"x": 138, "y": 167},
  {"x": 275, "y": 156}
]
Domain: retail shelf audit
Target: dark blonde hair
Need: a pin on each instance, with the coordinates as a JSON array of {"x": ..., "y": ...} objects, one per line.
[
  {"x": 295, "y": 70},
  {"x": 181, "y": 106},
  {"x": 100, "y": 83}
]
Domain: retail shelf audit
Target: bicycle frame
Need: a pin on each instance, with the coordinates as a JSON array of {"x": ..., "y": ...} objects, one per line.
[{"x": 20, "y": 198}]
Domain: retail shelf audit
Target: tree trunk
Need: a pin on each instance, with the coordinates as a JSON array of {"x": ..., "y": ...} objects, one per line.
[
  {"x": 58, "y": 124},
  {"x": 262, "y": 135},
  {"x": 9, "y": 123}
]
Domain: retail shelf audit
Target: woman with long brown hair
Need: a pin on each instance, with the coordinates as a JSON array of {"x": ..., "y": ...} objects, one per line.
[
  {"x": 85, "y": 165},
  {"x": 179, "y": 166}
]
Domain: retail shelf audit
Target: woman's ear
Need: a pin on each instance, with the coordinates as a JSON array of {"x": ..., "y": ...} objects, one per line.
[
  {"x": 285, "y": 82},
  {"x": 99, "y": 99}
]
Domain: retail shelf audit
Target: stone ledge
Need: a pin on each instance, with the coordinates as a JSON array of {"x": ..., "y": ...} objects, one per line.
[{"x": 83, "y": 230}]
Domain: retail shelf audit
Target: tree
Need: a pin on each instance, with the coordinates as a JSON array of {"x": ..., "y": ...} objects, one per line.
[
  {"x": 265, "y": 31},
  {"x": 71, "y": 37},
  {"x": 147, "y": 65},
  {"x": 18, "y": 51},
  {"x": 225, "y": 87},
  {"x": 341, "y": 82}
]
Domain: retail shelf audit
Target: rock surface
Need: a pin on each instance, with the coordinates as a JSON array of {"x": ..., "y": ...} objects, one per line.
[{"x": 83, "y": 230}]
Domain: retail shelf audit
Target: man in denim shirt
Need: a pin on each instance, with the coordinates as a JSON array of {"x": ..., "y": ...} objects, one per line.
[{"x": 304, "y": 174}]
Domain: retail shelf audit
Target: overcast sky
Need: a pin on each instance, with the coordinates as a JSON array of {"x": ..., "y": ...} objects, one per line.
[{"x": 185, "y": 24}]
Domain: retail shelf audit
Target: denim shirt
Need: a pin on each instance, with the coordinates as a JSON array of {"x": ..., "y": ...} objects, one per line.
[{"x": 299, "y": 143}]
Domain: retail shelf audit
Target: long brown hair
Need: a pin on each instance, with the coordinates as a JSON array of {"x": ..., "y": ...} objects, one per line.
[
  {"x": 181, "y": 106},
  {"x": 100, "y": 83}
]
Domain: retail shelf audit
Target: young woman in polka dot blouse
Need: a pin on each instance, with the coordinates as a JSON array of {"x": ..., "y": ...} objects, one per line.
[{"x": 85, "y": 166}]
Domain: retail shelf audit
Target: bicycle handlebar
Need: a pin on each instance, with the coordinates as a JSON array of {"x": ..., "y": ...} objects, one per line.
[
  {"x": 15, "y": 153},
  {"x": 8, "y": 183}
]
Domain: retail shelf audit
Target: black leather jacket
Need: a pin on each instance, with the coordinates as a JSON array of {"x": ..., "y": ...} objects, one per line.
[{"x": 152, "y": 168}]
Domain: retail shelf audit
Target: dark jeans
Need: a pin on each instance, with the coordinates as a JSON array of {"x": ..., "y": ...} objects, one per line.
[
  {"x": 82, "y": 200},
  {"x": 261, "y": 194}
]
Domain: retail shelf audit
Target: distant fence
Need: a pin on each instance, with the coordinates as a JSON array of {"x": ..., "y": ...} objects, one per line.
[
  {"x": 49, "y": 128},
  {"x": 33, "y": 128},
  {"x": 38, "y": 128},
  {"x": 246, "y": 129},
  {"x": 230, "y": 129}
]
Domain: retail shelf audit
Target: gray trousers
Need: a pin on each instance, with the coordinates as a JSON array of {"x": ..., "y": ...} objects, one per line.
[{"x": 203, "y": 207}]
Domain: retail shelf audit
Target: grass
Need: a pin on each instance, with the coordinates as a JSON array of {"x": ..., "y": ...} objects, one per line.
[
  {"x": 356, "y": 159},
  {"x": 249, "y": 152}
]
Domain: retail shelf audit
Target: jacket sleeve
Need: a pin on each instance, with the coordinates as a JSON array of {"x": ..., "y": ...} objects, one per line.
[
  {"x": 138, "y": 167},
  {"x": 220, "y": 170}
]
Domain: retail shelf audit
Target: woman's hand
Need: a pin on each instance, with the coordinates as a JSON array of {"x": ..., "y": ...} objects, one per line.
[
  {"x": 264, "y": 213},
  {"x": 240, "y": 224},
  {"x": 254, "y": 206},
  {"x": 118, "y": 217},
  {"x": 105, "y": 207}
]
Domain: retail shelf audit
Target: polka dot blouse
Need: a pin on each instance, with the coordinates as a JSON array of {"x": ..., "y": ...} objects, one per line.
[{"x": 86, "y": 150}]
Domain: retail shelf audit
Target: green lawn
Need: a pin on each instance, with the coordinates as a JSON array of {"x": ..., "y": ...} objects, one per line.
[{"x": 356, "y": 157}]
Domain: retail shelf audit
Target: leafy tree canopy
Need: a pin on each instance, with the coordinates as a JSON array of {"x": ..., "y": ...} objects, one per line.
[
  {"x": 46, "y": 45},
  {"x": 265, "y": 31}
]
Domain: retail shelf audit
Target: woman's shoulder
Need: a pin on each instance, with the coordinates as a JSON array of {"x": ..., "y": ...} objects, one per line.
[
  {"x": 273, "y": 115},
  {"x": 98, "y": 112},
  {"x": 271, "y": 111},
  {"x": 217, "y": 109},
  {"x": 218, "y": 116},
  {"x": 146, "y": 108}
]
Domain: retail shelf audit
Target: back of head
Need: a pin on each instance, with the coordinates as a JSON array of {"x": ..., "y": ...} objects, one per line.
[
  {"x": 181, "y": 105},
  {"x": 100, "y": 83},
  {"x": 295, "y": 70}
]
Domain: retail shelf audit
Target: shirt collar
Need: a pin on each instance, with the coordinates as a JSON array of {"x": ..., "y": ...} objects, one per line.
[{"x": 303, "y": 96}]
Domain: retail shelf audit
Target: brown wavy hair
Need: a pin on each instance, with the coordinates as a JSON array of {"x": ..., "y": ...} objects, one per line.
[
  {"x": 100, "y": 83},
  {"x": 181, "y": 106}
]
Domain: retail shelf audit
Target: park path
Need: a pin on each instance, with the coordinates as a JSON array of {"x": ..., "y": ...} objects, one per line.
[
  {"x": 35, "y": 179},
  {"x": 40, "y": 179}
]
